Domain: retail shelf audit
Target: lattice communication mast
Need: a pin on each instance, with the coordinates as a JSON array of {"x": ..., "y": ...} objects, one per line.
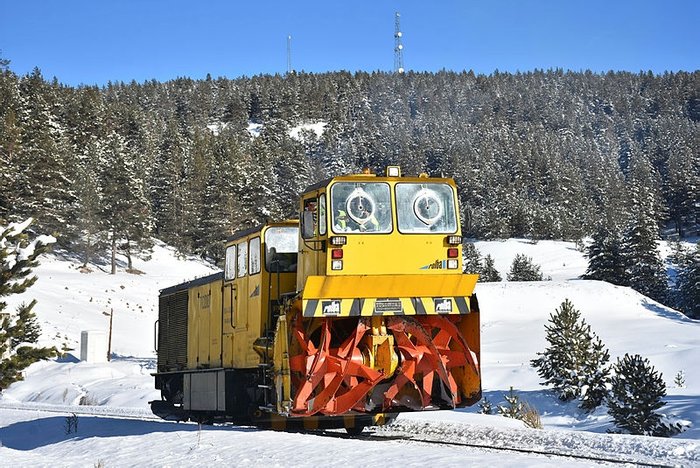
[
  {"x": 289, "y": 54},
  {"x": 398, "y": 47}
]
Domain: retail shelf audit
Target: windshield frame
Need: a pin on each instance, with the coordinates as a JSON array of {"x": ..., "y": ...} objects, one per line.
[
  {"x": 365, "y": 211},
  {"x": 410, "y": 221}
]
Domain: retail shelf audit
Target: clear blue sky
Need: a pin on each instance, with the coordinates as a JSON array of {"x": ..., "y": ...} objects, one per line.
[{"x": 95, "y": 41}]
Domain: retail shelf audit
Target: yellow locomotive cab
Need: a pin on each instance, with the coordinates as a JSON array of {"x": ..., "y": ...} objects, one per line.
[{"x": 356, "y": 312}]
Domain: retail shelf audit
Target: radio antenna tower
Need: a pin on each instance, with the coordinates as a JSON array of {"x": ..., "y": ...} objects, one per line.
[
  {"x": 398, "y": 47},
  {"x": 289, "y": 53}
]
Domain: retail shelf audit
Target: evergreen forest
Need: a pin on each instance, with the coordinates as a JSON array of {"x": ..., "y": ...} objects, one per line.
[{"x": 540, "y": 155}]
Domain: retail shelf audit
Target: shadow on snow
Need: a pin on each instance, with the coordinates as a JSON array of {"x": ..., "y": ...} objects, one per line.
[{"x": 29, "y": 435}]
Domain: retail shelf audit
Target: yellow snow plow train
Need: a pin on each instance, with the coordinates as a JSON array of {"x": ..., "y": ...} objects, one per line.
[{"x": 356, "y": 312}]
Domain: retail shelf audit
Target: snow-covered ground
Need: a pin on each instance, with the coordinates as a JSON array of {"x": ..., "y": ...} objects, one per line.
[{"x": 513, "y": 319}]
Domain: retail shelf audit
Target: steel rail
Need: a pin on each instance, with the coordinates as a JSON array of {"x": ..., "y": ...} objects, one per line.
[{"x": 397, "y": 436}]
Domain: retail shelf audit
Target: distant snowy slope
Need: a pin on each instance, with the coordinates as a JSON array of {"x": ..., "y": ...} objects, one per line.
[
  {"x": 625, "y": 320},
  {"x": 559, "y": 260}
]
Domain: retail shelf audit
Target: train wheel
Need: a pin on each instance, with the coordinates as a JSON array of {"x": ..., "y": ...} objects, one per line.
[
  {"x": 201, "y": 418},
  {"x": 354, "y": 431}
]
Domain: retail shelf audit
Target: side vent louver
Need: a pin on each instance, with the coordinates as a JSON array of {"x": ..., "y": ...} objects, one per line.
[{"x": 172, "y": 333}]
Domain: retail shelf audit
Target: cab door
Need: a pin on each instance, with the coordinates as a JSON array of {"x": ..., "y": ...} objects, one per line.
[
  {"x": 240, "y": 305},
  {"x": 228, "y": 306},
  {"x": 312, "y": 248}
]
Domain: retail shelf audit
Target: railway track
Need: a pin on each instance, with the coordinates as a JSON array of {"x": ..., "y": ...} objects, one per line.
[
  {"x": 640, "y": 451},
  {"x": 113, "y": 412},
  {"x": 493, "y": 448}
]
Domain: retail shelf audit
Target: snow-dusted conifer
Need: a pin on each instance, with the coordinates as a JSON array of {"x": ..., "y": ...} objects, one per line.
[
  {"x": 514, "y": 407},
  {"x": 471, "y": 259},
  {"x": 645, "y": 270},
  {"x": 19, "y": 331},
  {"x": 125, "y": 208},
  {"x": 594, "y": 378},
  {"x": 605, "y": 260},
  {"x": 90, "y": 224},
  {"x": 635, "y": 397},
  {"x": 523, "y": 269},
  {"x": 575, "y": 363},
  {"x": 485, "y": 406},
  {"x": 687, "y": 288},
  {"x": 44, "y": 181},
  {"x": 489, "y": 273}
]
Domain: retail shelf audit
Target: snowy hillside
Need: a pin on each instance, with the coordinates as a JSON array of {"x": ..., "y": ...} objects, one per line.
[
  {"x": 72, "y": 299},
  {"x": 513, "y": 319}
]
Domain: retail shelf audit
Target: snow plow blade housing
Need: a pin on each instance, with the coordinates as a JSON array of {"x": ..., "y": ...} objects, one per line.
[{"x": 356, "y": 312}]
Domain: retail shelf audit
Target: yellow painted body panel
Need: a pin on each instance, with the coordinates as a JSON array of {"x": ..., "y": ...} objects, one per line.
[
  {"x": 228, "y": 301},
  {"x": 342, "y": 287},
  {"x": 204, "y": 322},
  {"x": 395, "y": 254}
]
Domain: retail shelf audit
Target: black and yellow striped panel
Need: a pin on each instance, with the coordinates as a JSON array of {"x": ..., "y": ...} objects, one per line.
[
  {"x": 357, "y": 307},
  {"x": 280, "y": 423}
]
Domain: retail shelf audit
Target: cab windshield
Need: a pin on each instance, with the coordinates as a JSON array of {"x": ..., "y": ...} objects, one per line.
[
  {"x": 281, "y": 249},
  {"x": 361, "y": 207},
  {"x": 425, "y": 208}
]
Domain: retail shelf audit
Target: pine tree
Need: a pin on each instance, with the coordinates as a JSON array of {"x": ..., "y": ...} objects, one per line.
[
  {"x": 10, "y": 135},
  {"x": 125, "y": 208},
  {"x": 514, "y": 407},
  {"x": 222, "y": 207},
  {"x": 575, "y": 362},
  {"x": 594, "y": 378},
  {"x": 679, "y": 379},
  {"x": 645, "y": 270},
  {"x": 605, "y": 260},
  {"x": 19, "y": 331},
  {"x": 636, "y": 393},
  {"x": 471, "y": 259},
  {"x": 4, "y": 63},
  {"x": 485, "y": 406},
  {"x": 683, "y": 183},
  {"x": 687, "y": 287},
  {"x": 45, "y": 183},
  {"x": 90, "y": 225},
  {"x": 523, "y": 269},
  {"x": 489, "y": 274},
  {"x": 172, "y": 201}
]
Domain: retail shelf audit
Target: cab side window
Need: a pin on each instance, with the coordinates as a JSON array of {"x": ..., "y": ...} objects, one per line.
[
  {"x": 254, "y": 254},
  {"x": 322, "y": 214},
  {"x": 242, "y": 259},
  {"x": 230, "y": 267},
  {"x": 309, "y": 218}
]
